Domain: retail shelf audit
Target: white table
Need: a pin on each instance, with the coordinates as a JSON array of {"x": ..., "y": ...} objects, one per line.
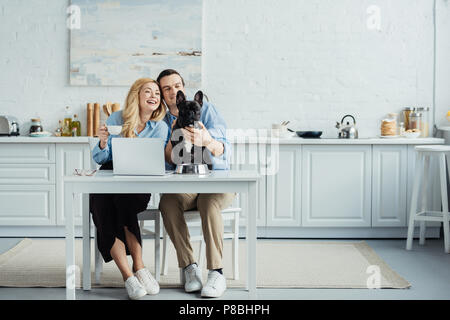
[{"x": 244, "y": 182}]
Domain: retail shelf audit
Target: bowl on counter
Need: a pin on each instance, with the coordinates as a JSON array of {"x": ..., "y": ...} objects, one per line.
[{"x": 411, "y": 135}]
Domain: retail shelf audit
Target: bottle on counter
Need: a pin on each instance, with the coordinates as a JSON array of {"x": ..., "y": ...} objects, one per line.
[
  {"x": 67, "y": 124},
  {"x": 58, "y": 131},
  {"x": 76, "y": 125},
  {"x": 66, "y": 129},
  {"x": 401, "y": 129}
]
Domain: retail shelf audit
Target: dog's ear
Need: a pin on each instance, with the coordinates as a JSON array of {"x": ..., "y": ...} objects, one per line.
[
  {"x": 180, "y": 97},
  {"x": 199, "y": 98}
]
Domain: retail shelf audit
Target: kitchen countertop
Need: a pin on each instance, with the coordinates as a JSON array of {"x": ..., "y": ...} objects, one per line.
[
  {"x": 444, "y": 128},
  {"x": 336, "y": 141},
  {"x": 288, "y": 140},
  {"x": 25, "y": 139}
]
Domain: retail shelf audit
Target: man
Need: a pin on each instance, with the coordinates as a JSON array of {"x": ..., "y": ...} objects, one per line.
[{"x": 212, "y": 135}]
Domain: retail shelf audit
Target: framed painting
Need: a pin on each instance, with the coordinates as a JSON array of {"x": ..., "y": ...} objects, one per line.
[{"x": 115, "y": 42}]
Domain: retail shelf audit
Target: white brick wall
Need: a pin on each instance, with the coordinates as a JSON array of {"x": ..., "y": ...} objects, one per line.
[{"x": 309, "y": 61}]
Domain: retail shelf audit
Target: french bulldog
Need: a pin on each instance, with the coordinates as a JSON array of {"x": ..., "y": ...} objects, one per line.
[{"x": 189, "y": 113}]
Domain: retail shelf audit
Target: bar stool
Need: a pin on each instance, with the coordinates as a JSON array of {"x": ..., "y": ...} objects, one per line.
[{"x": 423, "y": 155}]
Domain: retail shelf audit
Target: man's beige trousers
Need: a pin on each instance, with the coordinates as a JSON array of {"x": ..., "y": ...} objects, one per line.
[{"x": 209, "y": 205}]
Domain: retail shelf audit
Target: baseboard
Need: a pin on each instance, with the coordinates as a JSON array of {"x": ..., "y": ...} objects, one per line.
[
  {"x": 262, "y": 232},
  {"x": 346, "y": 233}
]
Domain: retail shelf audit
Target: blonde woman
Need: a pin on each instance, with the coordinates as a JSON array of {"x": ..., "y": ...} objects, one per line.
[{"x": 115, "y": 215}]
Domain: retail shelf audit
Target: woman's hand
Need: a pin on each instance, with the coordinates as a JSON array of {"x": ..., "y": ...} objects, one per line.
[{"x": 103, "y": 135}]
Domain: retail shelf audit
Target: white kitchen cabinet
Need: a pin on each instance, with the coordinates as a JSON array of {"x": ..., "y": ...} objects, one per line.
[
  {"x": 336, "y": 186},
  {"x": 39, "y": 173},
  {"x": 32, "y": 153},
  {"x": 389, "y": 186},
  {"x": 313, "y": 187},
  {"x": 284, "y": 186},
  {"x": 68, "y": 158},
  {"x": 27, "y": 184},
  {"x": 27, "y": 205}
]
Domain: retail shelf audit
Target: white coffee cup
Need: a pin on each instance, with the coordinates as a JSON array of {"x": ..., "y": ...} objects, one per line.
[
  {"x": 114, "y": 130},
  {"x": 279, "y": 131},
  {"x": 276, "y": 130}
]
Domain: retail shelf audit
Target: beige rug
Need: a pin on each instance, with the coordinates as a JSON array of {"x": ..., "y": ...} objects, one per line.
[{"x": 280, "y": 264}]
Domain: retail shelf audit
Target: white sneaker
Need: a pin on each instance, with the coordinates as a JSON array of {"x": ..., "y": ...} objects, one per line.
[
  {"x": 215, "y": 286},
  {"x": 192, "y": 278},
  {"x": 146, "y": 279},
  {"x": 134, "y": 288}
]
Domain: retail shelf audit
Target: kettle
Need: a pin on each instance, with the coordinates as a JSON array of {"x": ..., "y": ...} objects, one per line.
[{"x": 348, "y": 131}]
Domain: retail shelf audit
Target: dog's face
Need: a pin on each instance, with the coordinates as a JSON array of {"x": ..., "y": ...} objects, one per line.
[{"x": 189, "y": 112}]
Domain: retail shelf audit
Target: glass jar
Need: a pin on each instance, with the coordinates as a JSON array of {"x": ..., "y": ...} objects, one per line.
[
  {"x": 406, "y": 112},
  {"x": 395, "y": 118},
  {"x": 425, "y": 125},
  {"x": 415, "y": 121},
  {"x": 36, "y": 126},
  {"x": 389, "y": 125}
]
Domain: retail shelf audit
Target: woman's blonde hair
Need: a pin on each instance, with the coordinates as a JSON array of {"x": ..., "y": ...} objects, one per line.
[{"x": 130, "y": 113}]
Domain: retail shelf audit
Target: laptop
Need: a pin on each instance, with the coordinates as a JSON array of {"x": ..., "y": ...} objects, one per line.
[{"x": 138, "y": 156}]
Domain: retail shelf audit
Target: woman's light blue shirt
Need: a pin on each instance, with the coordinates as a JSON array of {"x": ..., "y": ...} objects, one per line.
[{"x": 153, "y": 129}]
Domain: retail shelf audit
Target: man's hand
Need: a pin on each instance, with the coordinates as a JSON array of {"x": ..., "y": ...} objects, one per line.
[
  {"x": 202, "y": 138},
  {"x": 199, "y": 137}
]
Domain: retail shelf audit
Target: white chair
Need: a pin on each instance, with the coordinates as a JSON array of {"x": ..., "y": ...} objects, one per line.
[
  {"x": 193, "y": 217},
  {"x": 152, "y": 213},
  {"x": 423, "y": 155}
]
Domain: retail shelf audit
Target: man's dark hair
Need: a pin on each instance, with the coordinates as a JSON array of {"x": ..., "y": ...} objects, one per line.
[{"x": 169, "y": 72}]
